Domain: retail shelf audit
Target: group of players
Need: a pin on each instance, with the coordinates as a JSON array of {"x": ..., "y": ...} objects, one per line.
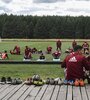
[{"x": 56, "y": 54}]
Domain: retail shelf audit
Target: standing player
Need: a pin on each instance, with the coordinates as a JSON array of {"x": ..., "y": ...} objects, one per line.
[
  {"x": 58, "y": 44},
  {"x": 74, "y": 43}
]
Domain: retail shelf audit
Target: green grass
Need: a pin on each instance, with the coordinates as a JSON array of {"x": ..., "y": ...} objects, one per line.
[
  {"x": 39, "y": 45},
  {"x": 24, "y": 71}
]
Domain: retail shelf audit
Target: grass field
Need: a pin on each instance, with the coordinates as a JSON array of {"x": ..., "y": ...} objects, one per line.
[
  {"x": 24, "y": 71},
  {"x": 39, "y": 45}
]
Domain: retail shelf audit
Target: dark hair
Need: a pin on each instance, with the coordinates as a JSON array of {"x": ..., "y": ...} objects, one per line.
[{"x": 77, "y": 47}]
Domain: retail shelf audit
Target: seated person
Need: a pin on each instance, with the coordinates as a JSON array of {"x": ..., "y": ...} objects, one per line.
[
  {"x": 34, "y": 50},
  {"x": 49, "y": 50},
  {"x": 75, "y": 64},
  {"x": 69, "y": 50},
  {"x": 56, "y": 54},
  {"x": 4, "y": 55},
  {"x": 16, "y": 50},
  {"x": 41, "y": 58},
  {"x": 27, "y": 54},
  {"x": 85, "y": 48},
  {"x": 39, "y": 51}
]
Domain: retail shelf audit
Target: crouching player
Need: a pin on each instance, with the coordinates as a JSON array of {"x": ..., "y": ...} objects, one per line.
[
  {"x": 85, "y": 48},
  {"x": 4, "y": 55},
  {"x": 56, "y": 56},
  {"x": 16, "y": 50},
  {"x": 34, "y": 50},
  {"x": 42, "y": 57},
  {"x": 49, "y": 49},
  {"x": 27, "y": 54}
]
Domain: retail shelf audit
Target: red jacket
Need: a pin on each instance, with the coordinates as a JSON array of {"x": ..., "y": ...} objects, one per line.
[
  {"x": 59, "y": 43},
  {"x": 49, "y": 48},
  {"x": 75, "y": 64}
]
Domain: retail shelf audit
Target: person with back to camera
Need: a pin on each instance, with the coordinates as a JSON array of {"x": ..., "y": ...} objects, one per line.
[
  {"x": 41, "y": 57},
  {"x": 74, "y": 63},
  {"x": 56, "y": 54}
]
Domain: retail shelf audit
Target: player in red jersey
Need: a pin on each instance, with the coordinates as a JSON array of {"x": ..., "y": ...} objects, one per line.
[
  {"x": 85, "y": 47},
  {"x": 4, "y": 55},
  {"x": 16, "y": 50},
  {"x": 27, "y": 54},
  {"x": 74, "y": 63},
  {"x": 58, "y": 45},
  {"x": 56, "y": 54},
  {"x": 49, "y": 49}
]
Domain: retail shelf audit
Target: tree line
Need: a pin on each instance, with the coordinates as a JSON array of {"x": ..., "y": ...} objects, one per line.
[{"x": 44, "y": 27}]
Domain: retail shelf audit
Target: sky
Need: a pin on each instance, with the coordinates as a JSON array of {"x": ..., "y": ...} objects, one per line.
[{"x": 45, "y": 7}]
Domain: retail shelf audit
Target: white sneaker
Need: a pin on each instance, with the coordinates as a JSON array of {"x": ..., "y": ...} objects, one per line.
[{"x": 60, "y": 82}]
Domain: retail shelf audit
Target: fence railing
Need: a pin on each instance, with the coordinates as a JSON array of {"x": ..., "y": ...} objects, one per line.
[{"x": 30, "y": 62}]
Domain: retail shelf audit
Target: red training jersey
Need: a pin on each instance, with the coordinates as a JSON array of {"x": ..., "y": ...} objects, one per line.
[{"x": 75, "y": 64}]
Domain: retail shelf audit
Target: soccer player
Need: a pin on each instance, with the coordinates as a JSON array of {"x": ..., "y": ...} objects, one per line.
[
  {"x": 85, "y": 47},
  {"x": 34, "y": 50},
  {"x": 58, "y": 44},
  {"x": 74, "y": 64},
  {"x": 49, "y": 49},
  {"x": 27, "y": 54},
  {"x": 4, "y": 55},
  {"x": 74, "y": 43},
  {"x": 42, "y": 57},
  {"x": 16, "y": 50},
  {"x": 56, "y": 54}
]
